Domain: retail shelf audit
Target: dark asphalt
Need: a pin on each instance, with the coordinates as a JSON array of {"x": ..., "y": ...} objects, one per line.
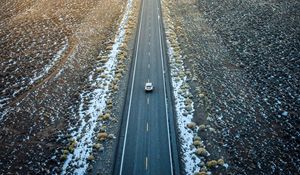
[{"x": 145, "y": 145}]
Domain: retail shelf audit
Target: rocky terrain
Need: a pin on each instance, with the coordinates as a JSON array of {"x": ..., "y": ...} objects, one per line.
[
  {"x": 242, "y": 58},
  {"x": 53, "y": 55}
]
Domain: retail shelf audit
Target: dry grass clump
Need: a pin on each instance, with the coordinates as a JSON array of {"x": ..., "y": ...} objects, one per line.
[
  {"x": 124, "y": 47},
  {"x": 197, "y": 138},
  {"x": 98, "y": 146},
  {"x": 70, "y": 149},
  {"x": 100, "y": 70},
  {"x": 72, "y": 145},
  {"x": 202, "y": 127},
  {"x": 197, "y": 143},
  {"x": 119, "y": 71},
  {"x": 104, "y": 116},
  {"x": 212, "y": 164},
  {"x": 191, "y": 125},
  {"x": 201, "y": 173},
  {"x": 118, "y": 75},
  {"x": 63, "y": 157},
  {"x": 91, "y": 157},
  {"x": 102, "y": 136},
  {"x": 103, "y": 76},
  {"x": 201, "y": 152},
  {"x": 115, "y": 88},
  {"x": 109, "y": 48},
  {"x": 221, "y": 162}
]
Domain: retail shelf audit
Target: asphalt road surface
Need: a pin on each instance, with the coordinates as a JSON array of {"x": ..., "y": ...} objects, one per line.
[{"x": 147, "y": 142}]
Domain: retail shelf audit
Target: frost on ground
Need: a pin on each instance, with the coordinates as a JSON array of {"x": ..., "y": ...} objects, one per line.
[{"x": 93, "y": 104}]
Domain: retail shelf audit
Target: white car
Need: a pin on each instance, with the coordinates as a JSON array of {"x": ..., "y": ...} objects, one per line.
[{"x": 148, "y": 87}]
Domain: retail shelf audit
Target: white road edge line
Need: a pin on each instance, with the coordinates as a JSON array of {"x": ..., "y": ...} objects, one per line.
[
  {"x": 165, "y": 93},
  {"x": 131, "y": 92}
]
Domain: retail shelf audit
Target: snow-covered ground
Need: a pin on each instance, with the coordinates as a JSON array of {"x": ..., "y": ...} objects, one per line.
[{"x": 77, "y": 162}]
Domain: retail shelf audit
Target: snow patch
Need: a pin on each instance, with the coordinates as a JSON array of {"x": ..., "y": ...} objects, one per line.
[{"x": 76, "y": 162}]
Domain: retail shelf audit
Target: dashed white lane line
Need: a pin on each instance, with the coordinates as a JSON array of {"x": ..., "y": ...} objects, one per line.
[
  {"x": 147, "y": 127},
  {"x": 146, "y": 163}
]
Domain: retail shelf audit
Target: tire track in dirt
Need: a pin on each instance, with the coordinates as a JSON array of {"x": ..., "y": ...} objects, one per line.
[{"x": 55, "y": 70}]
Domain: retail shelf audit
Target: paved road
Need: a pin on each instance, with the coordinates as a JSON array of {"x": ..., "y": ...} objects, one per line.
[{"x": 146, "y": 145}]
